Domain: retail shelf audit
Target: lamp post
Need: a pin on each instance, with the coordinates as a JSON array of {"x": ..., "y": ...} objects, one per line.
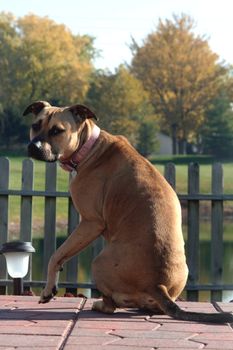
[{"x": 17, "y": 255}]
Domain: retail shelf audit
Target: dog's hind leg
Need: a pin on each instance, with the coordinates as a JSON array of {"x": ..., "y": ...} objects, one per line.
[{"x": 106, "y": 305}]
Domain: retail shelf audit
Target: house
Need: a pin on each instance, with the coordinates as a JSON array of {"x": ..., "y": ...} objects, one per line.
[{"x": 165, "y": 144}]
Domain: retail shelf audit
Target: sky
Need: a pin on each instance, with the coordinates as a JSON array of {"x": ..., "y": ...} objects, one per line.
[{"x": 114, "y": 23}]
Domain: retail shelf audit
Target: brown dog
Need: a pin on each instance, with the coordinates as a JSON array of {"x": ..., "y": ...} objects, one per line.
[{"x": 121, "y": 196}]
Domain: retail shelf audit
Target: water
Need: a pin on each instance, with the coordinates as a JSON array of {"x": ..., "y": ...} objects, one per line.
[
  {"x": 205, "y": 268},
  {"x": 84, "y": 268}
]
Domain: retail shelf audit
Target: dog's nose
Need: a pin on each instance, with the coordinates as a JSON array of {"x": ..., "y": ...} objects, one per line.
[
  {"x": 38, "y": 144},
  {"x": 35, "y": 150}
]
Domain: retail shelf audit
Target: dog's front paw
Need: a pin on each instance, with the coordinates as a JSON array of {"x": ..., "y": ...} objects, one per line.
[{"x": 47, "y": 295}]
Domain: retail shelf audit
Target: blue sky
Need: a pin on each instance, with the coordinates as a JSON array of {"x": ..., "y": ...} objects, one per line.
[{"x": 113, "y": 23}]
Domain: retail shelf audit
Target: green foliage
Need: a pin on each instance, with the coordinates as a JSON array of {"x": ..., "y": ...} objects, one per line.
[
  {"x": 217, "y": 132},
  {"x": 147, "y": 141},
  {"x": 120, "y": 101},
  {"x": 182, "y": 159}
]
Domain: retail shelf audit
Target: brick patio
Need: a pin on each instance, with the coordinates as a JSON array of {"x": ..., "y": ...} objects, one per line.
[{"x": 68, "y": 323}]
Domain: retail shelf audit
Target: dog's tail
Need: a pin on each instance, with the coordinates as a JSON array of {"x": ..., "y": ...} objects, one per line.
[{"x": 170, "y": 308}]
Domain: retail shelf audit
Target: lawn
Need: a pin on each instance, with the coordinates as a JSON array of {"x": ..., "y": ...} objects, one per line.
[
  {"x": 205, "y": 177},
  {"x": 181, "y": 174},
  {"x": 39, "y": 171},
  {"x": 38, "y": 202},
  {"x": 63, "y": 180}
]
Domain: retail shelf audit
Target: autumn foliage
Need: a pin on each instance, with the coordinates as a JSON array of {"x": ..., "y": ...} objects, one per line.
[
  {"x": 40, "y": 59},
  {"x": 175, "y": 82},
  {"x": 121, "y": 102},
  {"x": 181, "y": 74}
]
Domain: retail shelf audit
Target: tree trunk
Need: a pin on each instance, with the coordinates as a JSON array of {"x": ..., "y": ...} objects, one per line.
[
  {"x": 182, "y": 146},
  {"x": 174, "y": 138}
]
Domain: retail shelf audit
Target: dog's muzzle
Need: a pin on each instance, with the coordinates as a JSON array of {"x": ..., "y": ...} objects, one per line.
[{"x": 37, "y": 151}]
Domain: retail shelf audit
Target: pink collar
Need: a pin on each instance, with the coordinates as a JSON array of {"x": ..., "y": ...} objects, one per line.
[{"x": 72, "y": 163}]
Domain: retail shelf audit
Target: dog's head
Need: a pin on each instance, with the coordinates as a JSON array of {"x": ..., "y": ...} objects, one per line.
[{"x": 56, "y": 132}]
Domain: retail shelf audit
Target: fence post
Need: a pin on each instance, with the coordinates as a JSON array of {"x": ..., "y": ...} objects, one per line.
[
  {"x": 72, "y": 264},
  {"x": 26, "y": 209},
  {"x": 170, "y": 174},
  {"x": 217, "y": 231},
  {"x": 50, "y": 216},
  {"x": 4, "y": 185},
  {"x": 193, "y": 231},
  {"x": 97, "y": 246}
]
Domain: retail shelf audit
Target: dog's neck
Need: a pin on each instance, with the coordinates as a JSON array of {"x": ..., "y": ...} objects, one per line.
[{"x": 72, "y": 162}]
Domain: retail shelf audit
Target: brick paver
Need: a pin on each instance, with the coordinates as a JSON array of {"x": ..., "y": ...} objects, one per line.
[{"x": 69, "y": 323}]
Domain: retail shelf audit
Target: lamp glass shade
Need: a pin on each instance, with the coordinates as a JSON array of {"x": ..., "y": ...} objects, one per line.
[{"x": 17, "y": 263}]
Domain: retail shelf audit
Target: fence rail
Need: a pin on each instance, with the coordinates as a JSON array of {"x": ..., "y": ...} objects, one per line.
[{"x": 50, "y": 195}]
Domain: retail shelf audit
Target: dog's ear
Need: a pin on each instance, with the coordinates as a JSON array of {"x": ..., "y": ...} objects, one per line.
[
  {"x": 36, "y": 107},
  {"x": 82, "y": 112}
]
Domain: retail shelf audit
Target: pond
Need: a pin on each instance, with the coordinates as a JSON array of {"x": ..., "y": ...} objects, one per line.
[
  {"x": 205, "y": 267},
  {"x": 84, "y": 267}
]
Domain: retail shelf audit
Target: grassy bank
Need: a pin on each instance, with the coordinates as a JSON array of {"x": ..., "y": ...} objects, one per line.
[
  {"x": 38, "y": 203},
  {"x": 181, "y": 175},
  {"x": 205, "y": 177},
  {"x": 62, "y": 185},
  {"x": 182, "y": 159}
]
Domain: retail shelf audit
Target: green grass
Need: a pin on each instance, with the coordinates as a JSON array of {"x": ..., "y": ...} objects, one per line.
[
  {"x": 38, "y": 202},
  {"x": 62, "y": 185},
  {"x": 182, "y": 159},
  {"x": 205, "y": 177},
  {"x": 39, "y": 178}
]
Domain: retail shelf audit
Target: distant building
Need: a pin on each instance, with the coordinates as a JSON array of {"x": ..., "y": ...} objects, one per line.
[{"x": 165, "y": 144}]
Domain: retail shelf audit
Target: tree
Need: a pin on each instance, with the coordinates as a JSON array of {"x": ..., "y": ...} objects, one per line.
[
  {"x": 41, "y": 59},
  {"x": 57, "y": 64},
  {"x": 147, "y": 142},
  {"x": 9, "y": 89},
  {"x": 217, "y": 131},
  {"x": 181, "y": 74},
  {"x": 120, "y": 101}
]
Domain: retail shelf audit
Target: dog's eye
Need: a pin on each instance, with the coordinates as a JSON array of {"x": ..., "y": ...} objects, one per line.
[
  {"x": 36, "y": 127},
  {"x": 55, "y": 131}
]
